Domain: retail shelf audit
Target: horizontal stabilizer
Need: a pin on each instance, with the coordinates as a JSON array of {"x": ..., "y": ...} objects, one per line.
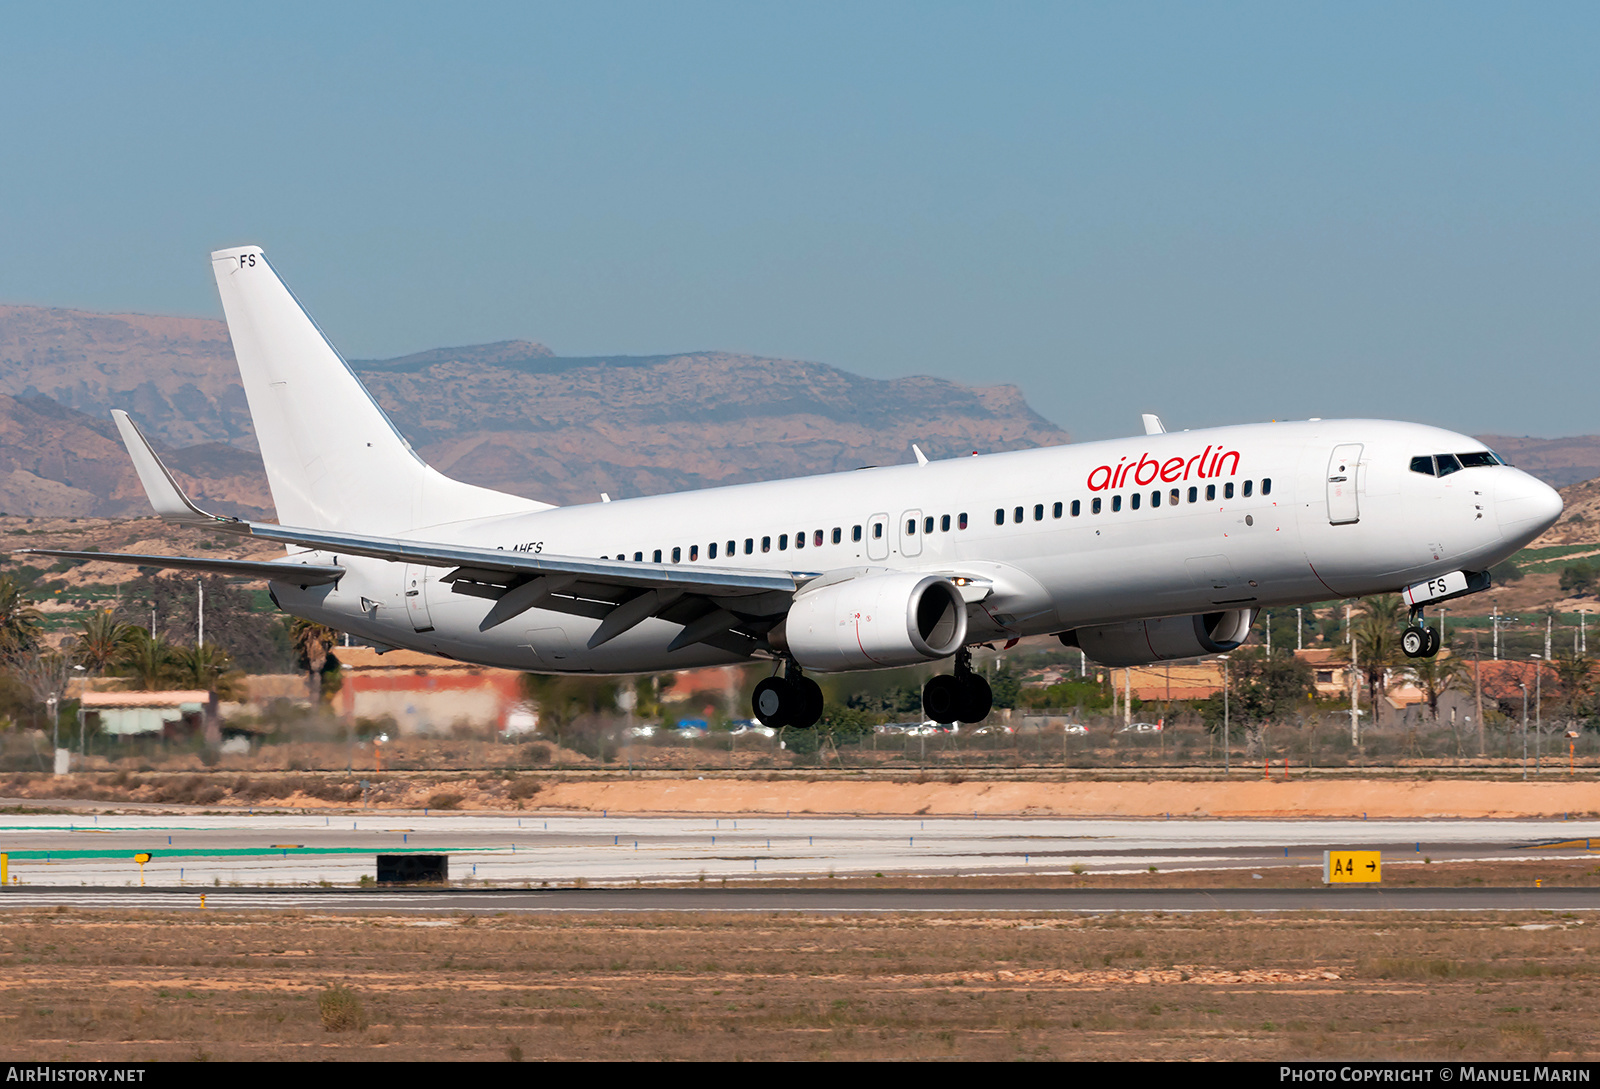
[{"x": 301, "y": 574}]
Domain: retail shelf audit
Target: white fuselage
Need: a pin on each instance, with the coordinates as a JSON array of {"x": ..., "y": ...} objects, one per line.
[{"x": 1306, "y": 531}]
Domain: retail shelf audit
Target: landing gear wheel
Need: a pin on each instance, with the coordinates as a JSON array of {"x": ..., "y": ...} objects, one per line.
[
  {"x": 1434, "y": 641},
  {"x": 942, "y": 698},
  {"x": 774, "y": 702},
  {"x": 808, "y": 702},
  {"x": 1419, "y": 642},
  {"x": 976, "y": 698}
]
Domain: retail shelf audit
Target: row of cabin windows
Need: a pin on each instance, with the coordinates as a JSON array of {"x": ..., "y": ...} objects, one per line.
[
  {"x": 1174, "y": 497},
  {"x": 818, "y": 538},
  {"x": 944, "y": 522}
]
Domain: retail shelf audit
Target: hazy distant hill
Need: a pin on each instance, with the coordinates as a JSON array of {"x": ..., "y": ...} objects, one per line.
[
  {"x": 512, "y": 415},
  {"x": 1558, "y": 462}
]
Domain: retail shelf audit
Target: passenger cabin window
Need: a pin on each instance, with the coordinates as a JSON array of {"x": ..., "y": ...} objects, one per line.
[
  {"x": 1266, "y": 485},
  {"x": 877, "y": 531},
  {"x": 1094, "y": 505},
  {"x": 1133, "y": 501},
  {"x": 1227, "y": 490},
  {"x": 1077, "y": 507},
  {"x": 1016, "y": 514},
  {"x": 816, "y": 538},
  {"x": 1038, "y": 512},
  {"x": 838, "y": 535},
  {"x": 855, "y": 533},
  {"x": 711, "y": 550},
  {"x": 911, "y": 527},
  {"x": 1000, "y": 516},
  {"x": 1116, "y": 503},
  {"x": 750, "y": 545},
  {"x": 783, "y": 542},
  {"x": 927, "y": 524},
  {"x": 1155, "y": 499},
  {"x": 944, "y": 523},
  {"x": 800, "y": 539},
  {"x": 766, "y": 544},
  {"x": 962, "y": 519},
  {"x": 677, "y": 555},
  {"x": 1194, "y": 494},
  {"x": 638, "y": 557},
  {"x": 1174, "y": 496},
  {"x": 1248, "y": 485},
  {"x": 694, "y": 553},
  {"x": 1056, "y": 510},
  {"x": 1211, "y": 493},
  {"x": 657, "y": 556}
]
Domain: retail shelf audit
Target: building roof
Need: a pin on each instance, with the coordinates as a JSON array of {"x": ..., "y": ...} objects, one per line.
[{"x": 96, "y": 700}]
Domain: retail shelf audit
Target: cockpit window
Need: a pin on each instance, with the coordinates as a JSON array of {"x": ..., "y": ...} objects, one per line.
[{"x": 1445, "y": 464}]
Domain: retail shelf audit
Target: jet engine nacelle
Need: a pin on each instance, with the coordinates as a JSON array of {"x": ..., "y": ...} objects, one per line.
[
  {"x": 875, "y": 621},
  {"x": 1140, "y": 642}
]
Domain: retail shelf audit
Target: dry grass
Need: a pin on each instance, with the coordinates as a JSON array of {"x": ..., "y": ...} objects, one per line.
[{"x": 128, "y": 986}]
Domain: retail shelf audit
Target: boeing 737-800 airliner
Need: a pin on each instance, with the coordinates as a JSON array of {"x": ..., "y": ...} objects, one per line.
[{"x": 1154, "y": 547}]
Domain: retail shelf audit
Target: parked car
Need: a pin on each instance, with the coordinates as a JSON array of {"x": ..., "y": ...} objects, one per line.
[
  {"x": 997, "y": 728},
  {"x": 753, "y": 729},
  {"x": 647, "y": 730},
  {"x": 1139, "y": 728},
  {"x": 1076, "y": 729}
]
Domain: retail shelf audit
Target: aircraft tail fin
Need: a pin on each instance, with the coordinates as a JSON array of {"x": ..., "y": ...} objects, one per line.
[{"x": 333, "y": 459}]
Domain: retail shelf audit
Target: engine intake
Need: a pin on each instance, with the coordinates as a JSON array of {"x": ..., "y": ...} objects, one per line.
[
  {"x": 875, "y": 622},
  {"x": 1140, "y": 642}
]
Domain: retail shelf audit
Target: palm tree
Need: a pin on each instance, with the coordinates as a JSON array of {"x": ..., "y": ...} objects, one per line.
[
  {"x": 313, "y": 641},
  {"x": 19, "y": 621},
  {"x": 1376, "y": 634},
  {"x": 206, "y": 666},
  {"x": 102, "y": 641},
  {"x": 148, "y": 658}
]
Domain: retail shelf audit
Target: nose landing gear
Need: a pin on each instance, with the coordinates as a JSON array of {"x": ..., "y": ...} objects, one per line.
[
  {"x": 1419, "y": 640},
  {"x": 791, "y": 700},
  {"x": 962, "y": 697}
]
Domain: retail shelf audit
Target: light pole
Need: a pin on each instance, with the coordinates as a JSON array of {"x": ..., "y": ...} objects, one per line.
[
  {"x": 1538, "y": 715},
  {"x": 1524, "y": 686},
  {"x": 1299, "y": 631},
  {"x": 1225, "y": 767}
]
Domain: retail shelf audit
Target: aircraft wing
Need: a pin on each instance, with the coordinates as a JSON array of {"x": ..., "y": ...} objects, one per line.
[
  {"x": 715, "y": 604},
  {"x": 304, "y": 574}
]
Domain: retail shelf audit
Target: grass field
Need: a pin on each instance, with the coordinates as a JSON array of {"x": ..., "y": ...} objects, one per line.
[{"x": 140, "y": 986}]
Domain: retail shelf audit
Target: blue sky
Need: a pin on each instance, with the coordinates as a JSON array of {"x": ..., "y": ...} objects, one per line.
[{"x": 1217, "y": 212}]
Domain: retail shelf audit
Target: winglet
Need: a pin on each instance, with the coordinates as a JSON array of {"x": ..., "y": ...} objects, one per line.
[
  {"x": 1153, "y": 424},
  {"x": 922, "y": 459},
  {"x": 159, "y": 486}
]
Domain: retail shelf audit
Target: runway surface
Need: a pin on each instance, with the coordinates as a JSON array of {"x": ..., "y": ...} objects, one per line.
[
  {"x": 818, "y": 901},
  {"x": 216, "y": 850}
]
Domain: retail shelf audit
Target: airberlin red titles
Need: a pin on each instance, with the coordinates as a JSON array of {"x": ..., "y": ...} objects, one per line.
[{"x": 1204, "y": 466}]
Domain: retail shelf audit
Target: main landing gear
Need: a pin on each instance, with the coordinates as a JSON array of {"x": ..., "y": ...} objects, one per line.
[
  {"x": 790, "y": 700},
  {"x": 1419, "y": 640},
  {"x": 962, "y": 697}
]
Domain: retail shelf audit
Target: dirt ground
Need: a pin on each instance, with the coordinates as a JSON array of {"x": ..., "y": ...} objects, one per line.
[
  {"x": 1299, "y": 794},
  {"x": 144, "y": 986}
]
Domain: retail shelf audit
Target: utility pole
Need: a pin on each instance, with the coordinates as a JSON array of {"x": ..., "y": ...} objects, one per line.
[
  {"x": 1495, "y": 620},
  {"x": 1524, "y": 686},
  {"x": 1225, "y": 767},
  {"x": 1299, "y": 631},
  {"x": 1549, "y": 628},
  {"x": 1538, "y": 717},
  {"x": 201, "y": 613},
  {"x": 1477, "y": 685},
  {"x": 1355, "y": 696},
  {"x": 1269, "y": 637}
]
